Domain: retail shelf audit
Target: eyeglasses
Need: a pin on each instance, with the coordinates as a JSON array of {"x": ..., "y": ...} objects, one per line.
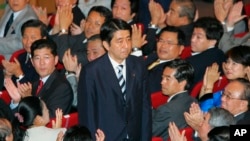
[
  {"x": 167, "y": 42},
  {"x": 229, "y": 97}
]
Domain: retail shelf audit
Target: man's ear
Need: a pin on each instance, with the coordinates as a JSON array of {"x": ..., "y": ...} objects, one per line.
[
  {"x": 183, "y": 83},
  {"x": 56, "y": 59},
  {"x": 105, "y": 45}
]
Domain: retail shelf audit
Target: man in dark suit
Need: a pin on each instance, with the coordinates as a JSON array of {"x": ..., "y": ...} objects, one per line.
[
  {"x": 51, "y": 87},
  {"x": 96, "y": 17},
  {"x": 181, "y": 14},
  {"x": 115, "y": 100},
  {"x": 236, "y": 99},
  {"x": 206, "y": 35},
  {"x": 175, "y": 82},
  {"x": 169, "y": 47},
  {"x": 22, "y": 69},
  {"x": 10, "y": 40}
]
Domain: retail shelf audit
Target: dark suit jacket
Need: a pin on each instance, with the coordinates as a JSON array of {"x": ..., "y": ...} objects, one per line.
[
  {"x": 155, "y": 74},
  {"x": 56, "y": 93},
  {"x": 201, "y": 61},
  {"x": 30, "y": 74},
  {"x": 171, "y": 112},
  {"x": 75, "y": 43},
  {"x": 1, "y": 78},
  {"x": 243, "y": 118},
  {"x": 77, "y": 15},
  {"x": 101, "y": 104}
]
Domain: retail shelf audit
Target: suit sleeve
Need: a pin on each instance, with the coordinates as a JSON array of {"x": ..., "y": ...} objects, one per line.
[
  {"x": 151, "y": 45},
  {"x": 161, "y": 119},
  {"x": 62, "y": 98},
  {"x": 10, "y": 44},
  {"x": 146, "y": 112},
  {"x": 228, "y": 40},
  {"x": 86, "y": 101}
]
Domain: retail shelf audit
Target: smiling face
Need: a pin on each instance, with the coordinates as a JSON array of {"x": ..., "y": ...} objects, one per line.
[
  {"x": 30, "y": 35},
  {"x": 17, "y": 5},
  {"x": 93, "y": 24},
  {"x": 44, "y": 61},
  {"x": 167, "y": 46},
  {"x": 233, "y": 70},
  {"x": 120, "y": 45}
]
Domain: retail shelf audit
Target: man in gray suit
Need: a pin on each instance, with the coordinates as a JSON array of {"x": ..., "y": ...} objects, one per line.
[
  {"x": 10, "y": 38},
  {"x": 175, "y": 83},
  {"x": 228, "y": 40}
]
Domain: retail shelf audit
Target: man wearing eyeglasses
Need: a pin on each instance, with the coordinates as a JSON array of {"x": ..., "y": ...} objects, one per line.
[
  {"x": 169, "y": 47},
  {"x": 236, "y": 99}
]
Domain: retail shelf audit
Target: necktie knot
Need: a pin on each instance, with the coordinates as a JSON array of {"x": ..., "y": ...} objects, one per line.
[{"x": 120, "y": 67}]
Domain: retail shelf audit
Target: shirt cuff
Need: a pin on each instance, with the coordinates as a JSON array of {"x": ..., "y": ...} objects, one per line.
[{"x": 13, "y": 105}]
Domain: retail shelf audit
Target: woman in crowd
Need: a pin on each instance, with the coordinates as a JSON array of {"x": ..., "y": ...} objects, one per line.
[{"x": 236, "y": 66}]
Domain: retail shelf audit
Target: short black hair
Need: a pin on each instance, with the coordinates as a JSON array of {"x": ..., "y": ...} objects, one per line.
[
  {"x": 110, "y": 27},
  {"x": 44, "y": 43},
  {"x": 103, "y": 11},
  {"x": 184, "y": 71},
  {"x": 36, "y": 24}
]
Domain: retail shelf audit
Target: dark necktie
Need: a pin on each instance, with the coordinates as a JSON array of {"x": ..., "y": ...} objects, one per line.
[
  {"x": 8, "y": 24},
  {"x": 40, "y": 85},
  {"x": 121, "y": 80}
]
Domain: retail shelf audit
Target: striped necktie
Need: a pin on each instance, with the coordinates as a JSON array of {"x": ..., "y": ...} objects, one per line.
[{"x": 121, "y": 80}]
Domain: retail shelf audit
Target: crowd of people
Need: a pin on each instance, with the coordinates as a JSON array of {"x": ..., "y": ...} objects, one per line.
[{"x": 104, "y": 59}]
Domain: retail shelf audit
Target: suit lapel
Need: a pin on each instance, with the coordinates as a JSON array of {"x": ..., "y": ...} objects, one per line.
[{"x": 110, "y": 76}]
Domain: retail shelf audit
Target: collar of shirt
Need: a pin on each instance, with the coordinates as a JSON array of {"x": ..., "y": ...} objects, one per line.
[
  {"x": 115, "y": 64},
  {"x": 16, "y": 14},
  {"x": 85, "y": 41},
  {"x": 163, "y": 61},
  {"x": 171, "y": 97},
  {"x": 196, "y": 53},
  {"x": 238, "y": 114},
  {"x": 44, "y": 79}
]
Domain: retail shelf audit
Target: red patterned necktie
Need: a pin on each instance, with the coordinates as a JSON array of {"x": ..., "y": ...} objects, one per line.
[{"x": 40, "y": 85}]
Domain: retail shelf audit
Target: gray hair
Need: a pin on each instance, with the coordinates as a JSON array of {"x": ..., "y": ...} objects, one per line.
[{"x": 220, "y": 117}]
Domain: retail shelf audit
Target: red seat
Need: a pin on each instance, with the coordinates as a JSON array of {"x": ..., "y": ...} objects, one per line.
[
  {"x": 218, "y": 85},
  {"x": 247, "y": 9},
  {"x": 186, "y": 52},
  {"x": 157, "y": 139},
  {"x": 59, "y": 65},
  {"x": 5, "y": 96},
  {"x": 67, "y": 121},
  {"x": 16, "y": 54},
  {"x": 189, "y": 133},
  {"x": 158, "y": 99},
  {"x": 1, "y": 58}
]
